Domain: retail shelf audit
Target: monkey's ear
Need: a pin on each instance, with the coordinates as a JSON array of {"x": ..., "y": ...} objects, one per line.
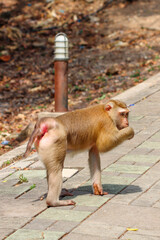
[{"x": 108, "y": 106}]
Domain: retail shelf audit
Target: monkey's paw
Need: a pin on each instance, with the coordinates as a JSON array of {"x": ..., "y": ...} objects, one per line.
[
  {"x": 131, "y": 133},
  {"x": 98, "y": 190}
]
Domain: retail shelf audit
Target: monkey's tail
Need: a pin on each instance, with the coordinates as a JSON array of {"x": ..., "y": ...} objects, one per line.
[{"x": 35, "y": 133}]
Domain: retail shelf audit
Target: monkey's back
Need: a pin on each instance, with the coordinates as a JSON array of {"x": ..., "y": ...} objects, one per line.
[{"x": 83, "y": 125}]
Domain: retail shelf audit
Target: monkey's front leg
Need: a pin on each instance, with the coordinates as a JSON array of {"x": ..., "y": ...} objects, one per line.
[{"x": 95, "y": 171}]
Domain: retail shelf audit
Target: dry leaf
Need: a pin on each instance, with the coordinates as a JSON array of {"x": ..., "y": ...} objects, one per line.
[
  {"x": 5, "y": 58},
  {"x": 132, "y": 229}
]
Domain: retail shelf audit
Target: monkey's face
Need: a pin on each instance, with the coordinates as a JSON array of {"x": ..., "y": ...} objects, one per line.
[
  {"x": 119, "y": 113},
  {"x": 122, "y": 119}
]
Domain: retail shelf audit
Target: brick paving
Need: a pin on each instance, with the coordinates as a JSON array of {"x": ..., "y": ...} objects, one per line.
[{"x": 130, "y": 175}]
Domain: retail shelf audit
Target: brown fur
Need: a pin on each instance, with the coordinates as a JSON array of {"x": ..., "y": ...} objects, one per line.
[{"x": 98, "y": 129}]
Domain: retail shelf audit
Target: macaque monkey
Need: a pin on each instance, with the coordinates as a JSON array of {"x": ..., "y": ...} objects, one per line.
[{"x": 98, "y": 129}]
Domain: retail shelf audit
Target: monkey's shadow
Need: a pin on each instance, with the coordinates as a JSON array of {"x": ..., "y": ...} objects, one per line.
[{"x": 113, "y": 189}]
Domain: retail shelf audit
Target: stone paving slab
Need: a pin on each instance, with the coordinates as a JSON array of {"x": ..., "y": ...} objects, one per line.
[
  {"x": 26, "y": 234},
  {"x": 5, "y": 231},
  {"x": 126, "y": 169},
  {"x": 29, "y": 174},
  {"x": 63, "y": 226},
  {"x": 20, "y": 208},
  {"x": 144, "y": 183},
  {"x": 140, "y": 158},
  {"x": 148, "y": 199},
  {"x": 99, "y": 229},
  {"x": 65, "y": 215},
  {"x": 24, "y": 163},
  {"x": 81, "y": 236},
  {"x": 27, "y": 205},
  {"x": 157, "y": 204},
  {"x": 135, "y": 236},
  {"x": 123, "y": 215},
  {"x": 89, "y": 200},
  {"x": 40, "y": 224},
  {"x": 149, "y": 233},
  {"x": 12, "y": 222},
  {"x": 150, "y": 145},
  {"x": 5, "y": 173},
  {"x": 12, "y": 154}
]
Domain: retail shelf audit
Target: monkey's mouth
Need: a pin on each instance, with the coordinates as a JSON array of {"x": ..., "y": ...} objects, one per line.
[{"x": 120, "y": 128}]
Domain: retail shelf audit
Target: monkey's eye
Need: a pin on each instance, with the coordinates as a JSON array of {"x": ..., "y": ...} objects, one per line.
[{"x": 122, "y": 114}]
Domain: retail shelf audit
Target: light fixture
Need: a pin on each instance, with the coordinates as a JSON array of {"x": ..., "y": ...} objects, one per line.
[{"x": 61, "y": 47}]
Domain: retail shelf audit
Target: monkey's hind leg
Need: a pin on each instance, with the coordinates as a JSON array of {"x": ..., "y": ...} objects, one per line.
[
  {"x": 52, "y": 151},
  {"x": 95, "y": 171},
  {"x": 54, "y": 190}
]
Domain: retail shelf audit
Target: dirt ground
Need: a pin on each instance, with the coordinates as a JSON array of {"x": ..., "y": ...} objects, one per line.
[{"x": 112, "y": 48}]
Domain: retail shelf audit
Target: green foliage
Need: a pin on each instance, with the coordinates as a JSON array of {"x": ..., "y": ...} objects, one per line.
[
  {"x": 8, "y": 162},
  {"x": 7, "y": 85},
  {"x": 148, "y": 46},
  {"x": 33, "y": 186},
  {"x": 136, "y": 73},
  {"x": 102, "y": 97},
  {"x": 89, "y": 98},
  {"x": 136, "y": 80},
  {"x": 151, "y": 69},
  {"x": 22, "y": 178},
  {"x": 102, "y": 78},
  {"x": 157, "y": 57}
]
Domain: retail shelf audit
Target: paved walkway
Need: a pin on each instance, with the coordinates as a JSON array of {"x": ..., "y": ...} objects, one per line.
[{"x": 131, "y": 175}]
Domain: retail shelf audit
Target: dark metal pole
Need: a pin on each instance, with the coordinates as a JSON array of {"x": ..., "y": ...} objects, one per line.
[{"x": 61, "y": 86}]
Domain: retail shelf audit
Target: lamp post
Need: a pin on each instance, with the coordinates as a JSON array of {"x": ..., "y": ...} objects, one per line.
[{"x": 61, "y": 72}]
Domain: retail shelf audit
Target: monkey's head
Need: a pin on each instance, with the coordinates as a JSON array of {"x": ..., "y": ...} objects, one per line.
[{"x": 118, "y": 112}]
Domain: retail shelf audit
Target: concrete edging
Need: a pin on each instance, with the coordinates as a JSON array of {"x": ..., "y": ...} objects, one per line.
[{"x": 140, "y": 91}]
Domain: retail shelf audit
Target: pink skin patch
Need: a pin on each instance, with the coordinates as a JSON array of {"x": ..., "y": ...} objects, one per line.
[
  {"x": 44, "y": 129},
  {"x": 108, "y": 108}
]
